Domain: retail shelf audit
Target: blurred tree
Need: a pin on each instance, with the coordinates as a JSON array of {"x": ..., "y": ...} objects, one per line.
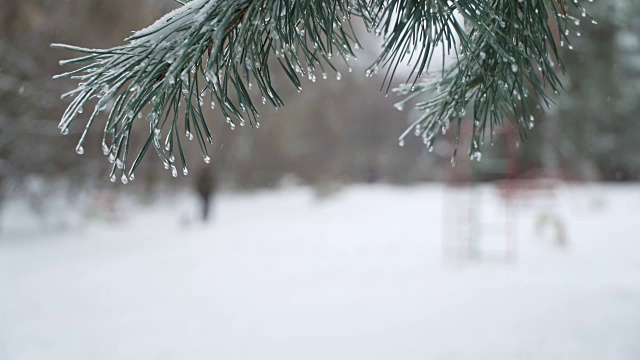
[
  {"x": 598, "y": 120},
  {"x": 28, "y": 136}
]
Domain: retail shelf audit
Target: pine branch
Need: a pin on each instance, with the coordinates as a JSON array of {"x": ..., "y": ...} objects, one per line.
[
  {"x": 217, "y": 46},
  {"x": 223, "y": 48},
  {"x": 508, "y": 57}
]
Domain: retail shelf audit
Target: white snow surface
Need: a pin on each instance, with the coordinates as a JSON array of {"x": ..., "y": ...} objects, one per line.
[{"x": 282, "y": 275}]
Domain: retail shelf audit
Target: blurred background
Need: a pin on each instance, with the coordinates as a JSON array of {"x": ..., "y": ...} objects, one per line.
[{"x": 323, "y": 237}]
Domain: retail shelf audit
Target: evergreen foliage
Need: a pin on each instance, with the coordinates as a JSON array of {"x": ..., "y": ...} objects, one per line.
[{"x": 507, "y": 51}]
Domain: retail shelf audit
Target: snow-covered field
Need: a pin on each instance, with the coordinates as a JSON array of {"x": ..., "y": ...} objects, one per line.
[{"x": 361, "y": 275}]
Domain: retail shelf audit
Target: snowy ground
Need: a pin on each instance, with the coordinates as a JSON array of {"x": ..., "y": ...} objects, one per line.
[{"x": 361, "y": 275}]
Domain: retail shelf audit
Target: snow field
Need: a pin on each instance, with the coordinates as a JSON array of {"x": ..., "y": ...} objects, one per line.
[{"x": 360, "y": 275}]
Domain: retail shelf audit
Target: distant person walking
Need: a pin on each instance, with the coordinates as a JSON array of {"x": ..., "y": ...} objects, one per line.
[{"x": 206, "y": 188}]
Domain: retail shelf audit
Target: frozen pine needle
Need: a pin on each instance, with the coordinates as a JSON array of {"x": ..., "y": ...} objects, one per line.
[{"x": 224, "y": 47}]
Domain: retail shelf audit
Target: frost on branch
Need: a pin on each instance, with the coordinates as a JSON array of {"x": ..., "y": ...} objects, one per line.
[
  {"x": 209, "y": 52},
  {"x": 215, "y": 52},
  {"x": 507, "y": 63}
]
